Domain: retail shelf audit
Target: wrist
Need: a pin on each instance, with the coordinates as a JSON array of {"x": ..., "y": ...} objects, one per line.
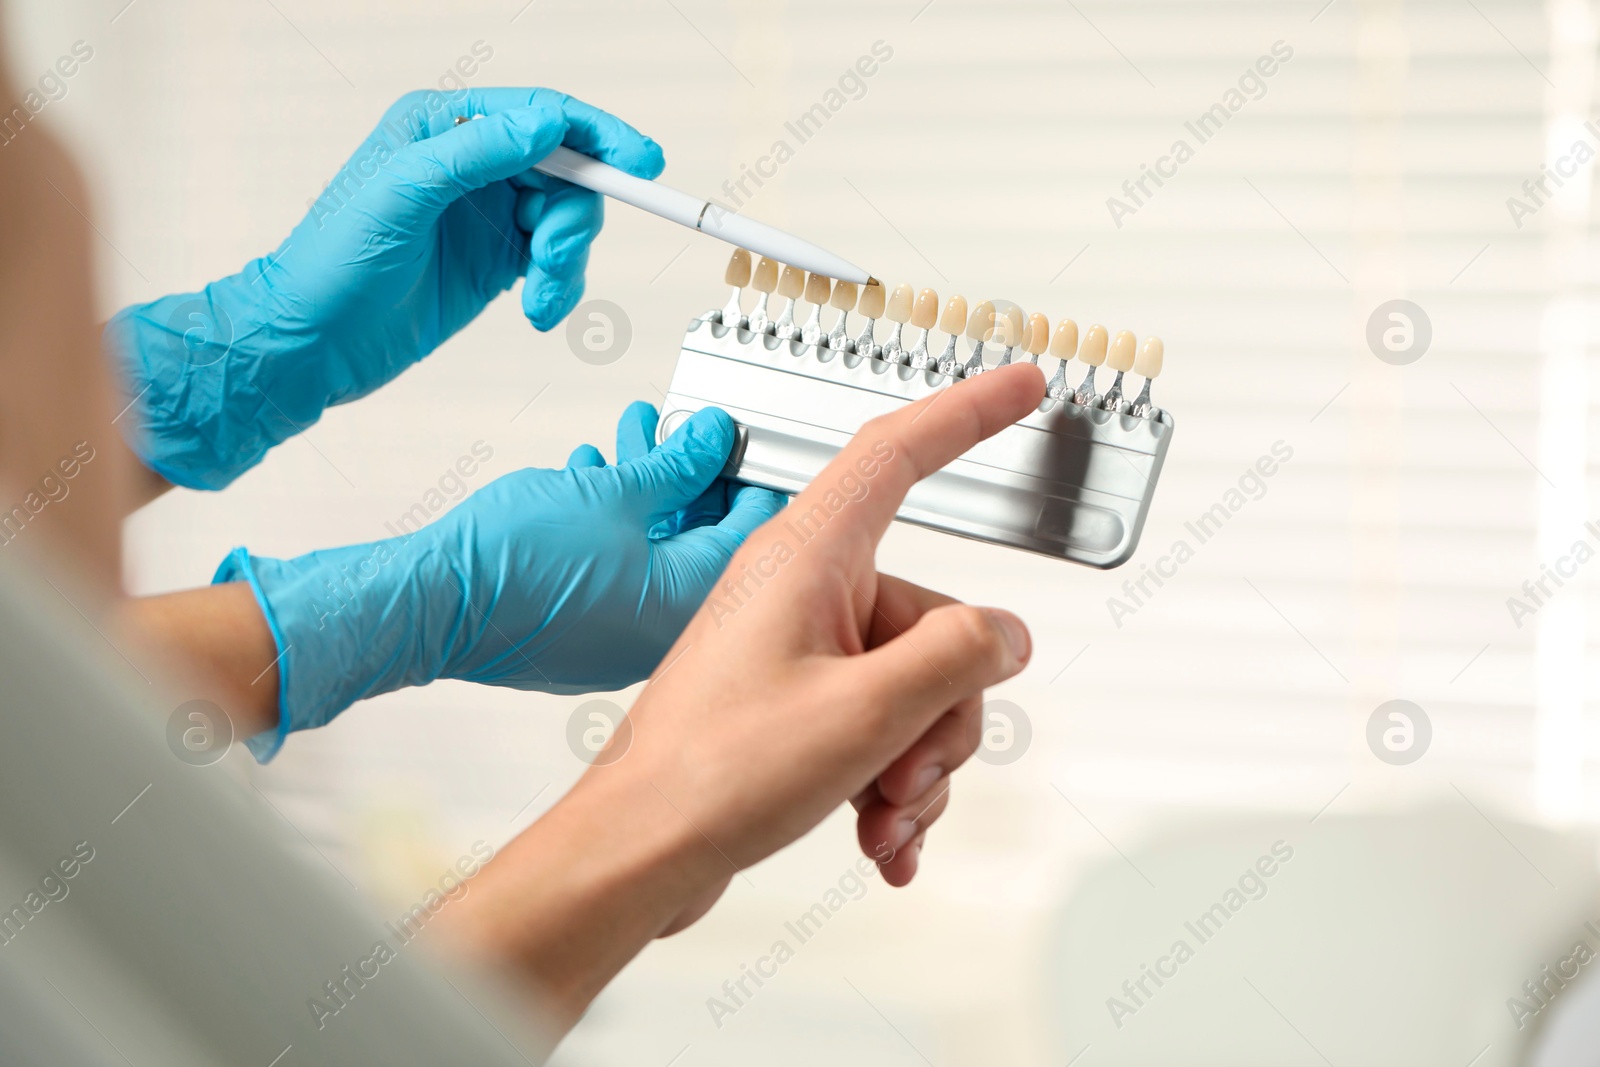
[
  {"x": 347, "y": 623},
  {"x": 190, "y": 422},
  {"x": 577, "y": 895}
]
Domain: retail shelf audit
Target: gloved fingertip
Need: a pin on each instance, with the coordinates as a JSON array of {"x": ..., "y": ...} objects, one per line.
[
  {"x": 648, "y": 162},
  {"x": 585, "y": 456},
  {"x": 759, "y": 500},
  {"x": 712, "y": 430},
  {"x": 547, "y": 299}
]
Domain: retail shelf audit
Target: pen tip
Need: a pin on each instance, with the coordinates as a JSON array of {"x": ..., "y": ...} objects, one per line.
[{"x": 873, "y": 281}]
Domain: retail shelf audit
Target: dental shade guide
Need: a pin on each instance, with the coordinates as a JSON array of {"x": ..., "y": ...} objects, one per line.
[
  {"x": 844, "y": 299},
  {"x": 1148, "y": 365},
  {"x": 1071, "y": 480},
  {"x": 898, "y": 311},
  {"x": 818, "y": 290},
  {"x": 1092, "y": 353},
  {"x": 980, "y": 327},
  {"x": 952, "y": 321},
  {"x": 1012, "y": 330},
  {"x": 1063, "y": 345},
  {"x": 764, "y": 280},
  {"x": 791, "y": 285},
  {"x": 1119, "y": 359},
  {"x": 924, "y": 316},
  {"x": 738, "y": 276},
  {"x": 1038, "y": 337},
  {"x": 871, "y": 306}
]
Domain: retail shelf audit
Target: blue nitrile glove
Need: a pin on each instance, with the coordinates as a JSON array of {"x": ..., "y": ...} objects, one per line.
[
  {"x": 566, "y": 581},
  {"x": 426, "y": 223}
]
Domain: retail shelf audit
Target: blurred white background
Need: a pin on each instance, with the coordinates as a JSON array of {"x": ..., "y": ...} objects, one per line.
[{"x": 1377, "y": 564}]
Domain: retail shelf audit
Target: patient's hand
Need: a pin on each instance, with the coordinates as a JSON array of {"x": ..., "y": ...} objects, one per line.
[{"x": 807, "y": 679}]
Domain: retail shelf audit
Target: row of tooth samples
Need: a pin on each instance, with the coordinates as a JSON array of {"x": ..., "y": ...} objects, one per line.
[{"x": 983, "y": 325}]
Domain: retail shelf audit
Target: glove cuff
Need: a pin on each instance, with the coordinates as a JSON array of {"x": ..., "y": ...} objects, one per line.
[
  {"x": 346, "y": 624},
  {"x": 197, "y": 371}
]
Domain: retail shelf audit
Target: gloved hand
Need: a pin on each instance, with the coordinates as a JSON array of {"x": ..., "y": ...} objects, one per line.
[
  {"x": 426, "y": 223},
  {"x": 565, "y": 581}
]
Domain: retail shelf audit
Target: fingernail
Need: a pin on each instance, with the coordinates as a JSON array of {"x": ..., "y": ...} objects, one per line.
[
  {"x": 1015, "y": 633},
  {"x": 925, "y": 779},
  {"x": 904, "y": 831}
]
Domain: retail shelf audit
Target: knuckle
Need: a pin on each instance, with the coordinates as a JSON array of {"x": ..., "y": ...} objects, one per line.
[{"x": 976, "y": 639}]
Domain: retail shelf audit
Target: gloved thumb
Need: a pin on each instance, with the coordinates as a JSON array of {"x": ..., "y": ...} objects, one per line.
[
  {"x": 674, "y": 473},
  {"x": 435, "y": 172}
]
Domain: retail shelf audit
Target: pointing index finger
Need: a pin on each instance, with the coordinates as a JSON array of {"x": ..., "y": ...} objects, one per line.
[{"x": 907, "y": 445}]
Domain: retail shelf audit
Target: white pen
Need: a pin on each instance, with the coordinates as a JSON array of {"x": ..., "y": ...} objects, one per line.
[{"x": 696, "y": 214}]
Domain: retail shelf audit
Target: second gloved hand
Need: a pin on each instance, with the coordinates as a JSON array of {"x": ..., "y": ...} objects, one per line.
[
  {"x": 565, "y": 581},
  {"x": 426, "y": 224}
]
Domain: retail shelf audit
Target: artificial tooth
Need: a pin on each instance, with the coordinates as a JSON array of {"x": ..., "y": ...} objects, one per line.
[
  {"x": 898, "y": 311},
  {"x": 924, "y": 315},
  {"x": 843, "y": 298},
  {"x": 1011, "y": 331},
  {"x": 817, "y": 292},
  {"x": 1119, "y": 359},
  {"x": 1093, "y": 353},
  {"x": 1151, "y": 356},
  {"x": 738, "y": 276},
  {"x": 1062, "y": 346},
  {"x": 871, "y": 305},
  {"x": 1038, "y": 337},
  {"x": 952, "y": 321},
  {"x": 980, "y": 328},
  {"x": 791, "y": 284},
  {"x": 764, "y": 280}
]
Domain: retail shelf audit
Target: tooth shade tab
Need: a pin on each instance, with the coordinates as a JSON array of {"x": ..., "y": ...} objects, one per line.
[
  {"x": 1150, "y": 357},
  {"x": 739, "y": 267},
  {"x": 1123, "y": 346},
  {"x": 954, "y": 318},
  {"x": 792, "y": 283},
  {"x": 1011, "y": 327},
  {"x": 764, "y": 279},
  {"x": 925, "y": 313},
  {"x": 1065, "y": 341},
  {"x": 1093, "y": 349},
  {"x": 898, "y": 307},
  {"x": 817, "y": 289},
  {"x": 844, "y": 296},
  {"x": 980, "y": 327},
  {"x": 872, "y": 300},
  {"x": 1038, "y": 334}
]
